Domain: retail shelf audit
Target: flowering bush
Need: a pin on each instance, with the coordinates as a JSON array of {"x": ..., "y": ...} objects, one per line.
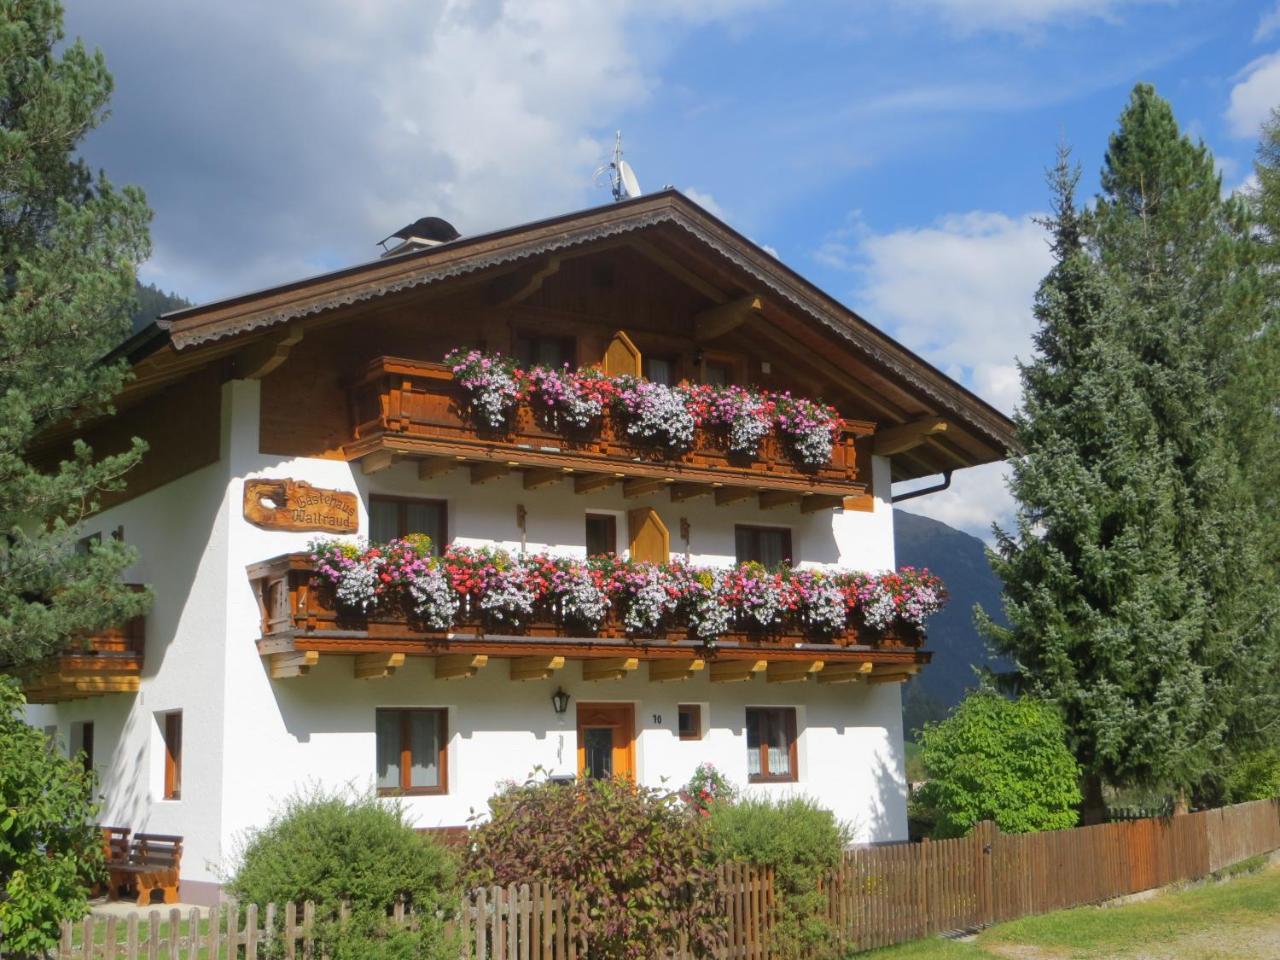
[
  {"x": 492, "y": 382},
  {"x": 576, "y": 399},
  {"x": 707, "y": 786},
  {"x": 648, "y": 598},
  {"x": 650, "y": 413},
  {"x": 812, "y": 428},
  {"x": 655, "y": 413}
]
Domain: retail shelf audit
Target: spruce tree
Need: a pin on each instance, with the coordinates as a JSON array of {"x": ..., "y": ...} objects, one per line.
[
  {"x": 1104, "y": 616},
  {"x": 69, "y": 245}
]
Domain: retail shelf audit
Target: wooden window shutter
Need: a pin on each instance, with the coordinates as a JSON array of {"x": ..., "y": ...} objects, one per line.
[
  {"x": 621, "y": 356},
  {"x": 649, "y": 537}
]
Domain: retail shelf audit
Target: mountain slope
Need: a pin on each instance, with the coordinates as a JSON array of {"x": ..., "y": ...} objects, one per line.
[
  {"x": 960, "y": 560},
  {"x": 152, "y": 301}
]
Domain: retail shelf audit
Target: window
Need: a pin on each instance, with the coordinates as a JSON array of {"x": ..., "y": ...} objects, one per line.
[
  {"x": 690, "y": 715},
  {"x": 771, "y": 744},
  {"x": 82, "y": 742},
  {"x": 770, "y": 546},
  {"x": 716, "y": 374},
  {"x": 392, "y": 517},
  {"x": 412, "y": 751},
  {"x": 660, "y": 370},
  {"x": 602, "y": 534},
  {"x": 172, "y": 727},
  {"x": 536, "y": 350},
  {"x": 84, "y": 546}
]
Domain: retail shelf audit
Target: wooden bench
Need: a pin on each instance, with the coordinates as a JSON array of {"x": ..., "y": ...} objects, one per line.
[
  {"x": 153, "y": 864},
  {"x": 115, "y": 851}
]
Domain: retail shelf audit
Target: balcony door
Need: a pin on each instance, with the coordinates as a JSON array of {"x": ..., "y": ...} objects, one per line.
[{"x": 606, "y": 740}]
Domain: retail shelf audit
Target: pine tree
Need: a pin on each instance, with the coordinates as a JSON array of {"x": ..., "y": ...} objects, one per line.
[
  {"x": 69, "y": 245},
  {"x": 1104, "y": 615},
  {"x": 1186, "y": 258}
]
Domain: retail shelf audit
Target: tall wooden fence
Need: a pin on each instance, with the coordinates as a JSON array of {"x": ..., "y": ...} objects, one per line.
[{"x": 879, "y": 896}]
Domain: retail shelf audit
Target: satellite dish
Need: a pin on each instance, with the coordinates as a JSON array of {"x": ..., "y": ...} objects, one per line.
[
  {"x": 627, "y": 180},
  {"x": 622, "y": 179}
]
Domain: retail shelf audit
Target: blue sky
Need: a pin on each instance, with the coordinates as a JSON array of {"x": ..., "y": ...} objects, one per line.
[{"x": 893, "y": 152}]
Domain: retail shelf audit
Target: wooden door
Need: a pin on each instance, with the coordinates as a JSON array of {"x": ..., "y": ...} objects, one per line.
[
  {"x": 606, "y": 740},
  {"x": 649, "y": 539}
]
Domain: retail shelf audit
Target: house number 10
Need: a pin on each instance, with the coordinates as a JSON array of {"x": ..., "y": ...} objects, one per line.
[{"x": 657, "y": 718}]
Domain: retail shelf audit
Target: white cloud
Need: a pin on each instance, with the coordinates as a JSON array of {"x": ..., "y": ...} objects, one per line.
[
  {"x": 706, "y": 201},
  {"x": 1255, "y": 94},
  {"x": 277, "y": 145},
  {"x": 959, "y": 292},
  {"x": 1268, "y": 24},
  {"x": 976, "y": 498},
  {"x": 1020, "y": 16}
]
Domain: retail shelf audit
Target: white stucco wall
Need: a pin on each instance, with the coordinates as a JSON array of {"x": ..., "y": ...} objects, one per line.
[{"x": 249, "y": 742}]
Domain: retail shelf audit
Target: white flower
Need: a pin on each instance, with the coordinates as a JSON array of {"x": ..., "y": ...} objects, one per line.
[{"x": 435, "y": 603}]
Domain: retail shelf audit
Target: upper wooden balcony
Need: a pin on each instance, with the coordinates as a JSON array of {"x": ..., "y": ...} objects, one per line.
[
  {"x": 409, "y": 408},
  {"x": 106, "y": 661}
]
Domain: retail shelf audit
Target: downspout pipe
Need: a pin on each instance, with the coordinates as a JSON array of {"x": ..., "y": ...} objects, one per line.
[{"x": 924, "y": 491}]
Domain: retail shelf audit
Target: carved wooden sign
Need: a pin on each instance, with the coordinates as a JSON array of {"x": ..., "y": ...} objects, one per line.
[{"x": 297, "y": 505}]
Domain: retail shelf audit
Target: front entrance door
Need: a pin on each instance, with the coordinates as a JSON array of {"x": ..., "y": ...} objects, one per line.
[{"x": 606, "y": 740}]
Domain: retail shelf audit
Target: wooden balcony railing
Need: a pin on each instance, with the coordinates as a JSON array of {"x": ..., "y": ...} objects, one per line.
[
  {"x": 415, "y": 408},
  {"x": 291, "y": 606},
  {"x": 106, "y": 661}
]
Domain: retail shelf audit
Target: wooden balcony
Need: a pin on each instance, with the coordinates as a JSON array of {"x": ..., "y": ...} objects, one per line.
[
  {"x": 109, "y": 661},
  {"x": 299, "y": 623},
  {"x": 409, "y": 408}
]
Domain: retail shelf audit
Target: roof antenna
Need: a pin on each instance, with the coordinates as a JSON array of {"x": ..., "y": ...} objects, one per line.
[{"x": 622, "y": 179}]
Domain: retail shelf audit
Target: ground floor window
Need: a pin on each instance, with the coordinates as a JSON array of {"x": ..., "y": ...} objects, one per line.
[
  {"x": 771, "y": 744},
  {"x": 411, "y": 747},
  {"x": 82, "y": 742},
  {"x": 690, "y": 715},
  {"x": 172, "y": 728}
]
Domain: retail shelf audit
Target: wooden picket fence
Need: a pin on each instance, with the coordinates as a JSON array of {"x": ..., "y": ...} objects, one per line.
[{"x": 880, "y": 895}]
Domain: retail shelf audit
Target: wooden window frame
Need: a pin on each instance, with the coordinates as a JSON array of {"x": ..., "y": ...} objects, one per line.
[
  {"x": 172, "y": 729},
  {"x": 612, "y": 520},
  {"x": 735, "y": 367},
  {"x": 671, "y": 358},
  {"x": 788, "y": 555},
  {"x": 402, "y": 515},
  {"x": 569, "y": 340},
  {"x": 86, "y": 742},
  {"x": 788, "y": 715},
  {"x": 406, "y": 753},
  {"x": 695, "y": 709}
]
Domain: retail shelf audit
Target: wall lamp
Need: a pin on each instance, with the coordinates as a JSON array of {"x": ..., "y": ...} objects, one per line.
[{"x": 560, "y": 701}]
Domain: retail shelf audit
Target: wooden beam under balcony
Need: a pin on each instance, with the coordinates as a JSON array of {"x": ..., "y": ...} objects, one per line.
[
  {"x": 844, "y": 672},
  {"x": 643, "y": 486},
  {"x": 793, "y": 671},
  {"x": 590, "y": 482},
  {"x": 432, "y": 467},
  {"x": 681, "y": 492},
  {"x": 297, "y": 663},
  {"x": 535, "y": 668},
  {"x": 490, "y": 470},
  {"x": 378, "y": 461},
  {"x": 374, "y": 666},
  {"x": 726, "y": 317},
  {"x": 893, "y": 673},
  {"x": 459, "y": 666},
  {"x": 728, "y": 495},
  {"x": 664, "y": 671},
  {"x": 907, "y": 436},
  {"x": 736, "y": 671},
  {"x": 611, "y": 668},
  {"x": 772, "y": 499},
  {"x": 545, "y": 476}
]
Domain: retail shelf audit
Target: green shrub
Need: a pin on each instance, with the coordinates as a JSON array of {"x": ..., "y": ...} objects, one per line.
[
  {"x": 801, "y": 841},
  {"x": 353, "y": 848},
  {"x": 1252, "y": 776},
  {"x": 633, "y": 860},
  {"x": 50, "y": 851},
  {"x": 1001, "y": 760}
]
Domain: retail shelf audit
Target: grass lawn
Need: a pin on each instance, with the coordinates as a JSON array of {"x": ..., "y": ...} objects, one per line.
[{"x": 1239, "y": 920}]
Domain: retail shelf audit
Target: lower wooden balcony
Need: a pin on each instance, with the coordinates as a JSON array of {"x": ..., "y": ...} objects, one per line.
[
  {"x": 413, "y": 410},
  {"x": 109, "y": 661},
  {"x": 300, "y": 625}
]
